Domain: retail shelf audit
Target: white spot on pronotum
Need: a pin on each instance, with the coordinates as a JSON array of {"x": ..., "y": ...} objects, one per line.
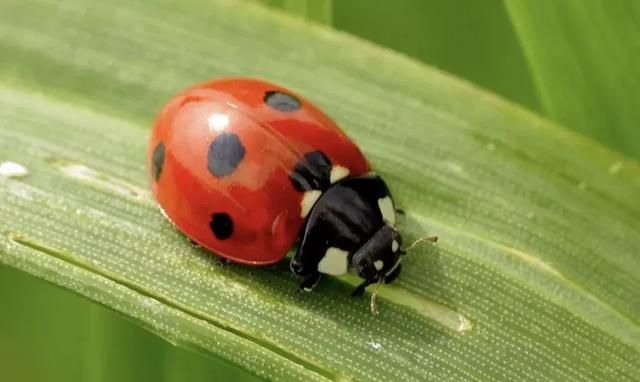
[
  {"x": 615, "y": 168},
  {"x": 334, "y": 262},
  {"x": 394, "y": 246},
  {"x": 386, "y": 209},
  {"x": 308, "y": 200},
  {"x": 379, "y": 264},
  {"x": 338, "y": 172},
  {"x": 12, "y": 170}
]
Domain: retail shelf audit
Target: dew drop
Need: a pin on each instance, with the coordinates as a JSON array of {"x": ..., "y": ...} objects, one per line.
[
  {"x": 374, "y": 345},
  {"x": 464, "y": 324}
]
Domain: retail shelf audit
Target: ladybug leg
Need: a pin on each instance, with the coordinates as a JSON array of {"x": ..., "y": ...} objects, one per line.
[
  {"x": 359, "y": 291},
  {"x": 221, "y": 261},
  {"x": 194, "y": 243},
  {"x": 400, "y": 211},
  {"x": 309, "y": 282}
]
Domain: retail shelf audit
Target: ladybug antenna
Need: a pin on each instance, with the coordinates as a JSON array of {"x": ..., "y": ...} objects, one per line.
[
  {"x": 373, "y": 304},
  {"x": 430, "y": 239}
]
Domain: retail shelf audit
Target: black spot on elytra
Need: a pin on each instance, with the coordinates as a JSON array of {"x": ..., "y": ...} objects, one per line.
[
  {"x": 157, "y": 161},
  {"x": 281, "y": 101},
  {"x": 313, "y": 172},
  {"x": 225, "y": 154},
  {"x": 221, "y": 225}
]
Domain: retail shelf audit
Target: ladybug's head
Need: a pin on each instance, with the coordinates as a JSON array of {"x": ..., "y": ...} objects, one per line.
[{"x": 378, "y": 260}]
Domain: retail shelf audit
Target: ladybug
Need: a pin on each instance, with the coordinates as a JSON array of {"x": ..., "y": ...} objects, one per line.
[{"x": 248, "y": 169}]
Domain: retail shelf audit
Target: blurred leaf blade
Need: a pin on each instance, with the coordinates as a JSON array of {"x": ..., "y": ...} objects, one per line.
[
  {"x": 585, "y": 60},
  {"x": 472, "y": 40},
  {"x": 320, "y": 11},
  {"x": 534, "y": 225}
]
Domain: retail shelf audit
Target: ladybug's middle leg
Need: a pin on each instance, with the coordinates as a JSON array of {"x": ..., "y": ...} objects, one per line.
[{"x": 309, "y": 282}]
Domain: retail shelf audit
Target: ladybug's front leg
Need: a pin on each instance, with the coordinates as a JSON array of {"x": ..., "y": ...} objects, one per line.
[
  {"x": 309, "y": 282},
  {"x": 359, "y": 291}
]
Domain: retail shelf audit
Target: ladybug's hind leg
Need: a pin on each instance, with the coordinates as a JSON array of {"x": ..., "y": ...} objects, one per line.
[
  {"x": 193, "y": 243},
  {"x": 222, "y": 262},
  {"x": 309, "y": 282}
]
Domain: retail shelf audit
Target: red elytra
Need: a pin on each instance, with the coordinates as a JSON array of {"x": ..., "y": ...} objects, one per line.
[{"x": 220, "y": 157}]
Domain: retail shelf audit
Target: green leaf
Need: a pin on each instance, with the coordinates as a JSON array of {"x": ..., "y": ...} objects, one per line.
[
  {"x": 585, "y": 63},
  {"x": 81, "y": 341},
  {"x": 317, "y": 10},
  {"x": 535, "y": 276}
]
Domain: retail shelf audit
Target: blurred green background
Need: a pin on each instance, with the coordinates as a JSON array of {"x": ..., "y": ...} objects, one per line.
[
  {"x": 473, "y": 40},
  {"x": 47, "y": 334}
]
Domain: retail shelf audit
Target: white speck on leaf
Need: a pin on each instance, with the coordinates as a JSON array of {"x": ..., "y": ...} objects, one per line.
[
  {"x": 454, "y": 167},
  {"x": 615, "y": 168},
  {"x": 465, "y": 323},
  {"x": 12, "y": 170}
]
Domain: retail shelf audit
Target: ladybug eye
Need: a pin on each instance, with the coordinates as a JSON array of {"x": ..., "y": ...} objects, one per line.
[{"x": 281, "y": 101}]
